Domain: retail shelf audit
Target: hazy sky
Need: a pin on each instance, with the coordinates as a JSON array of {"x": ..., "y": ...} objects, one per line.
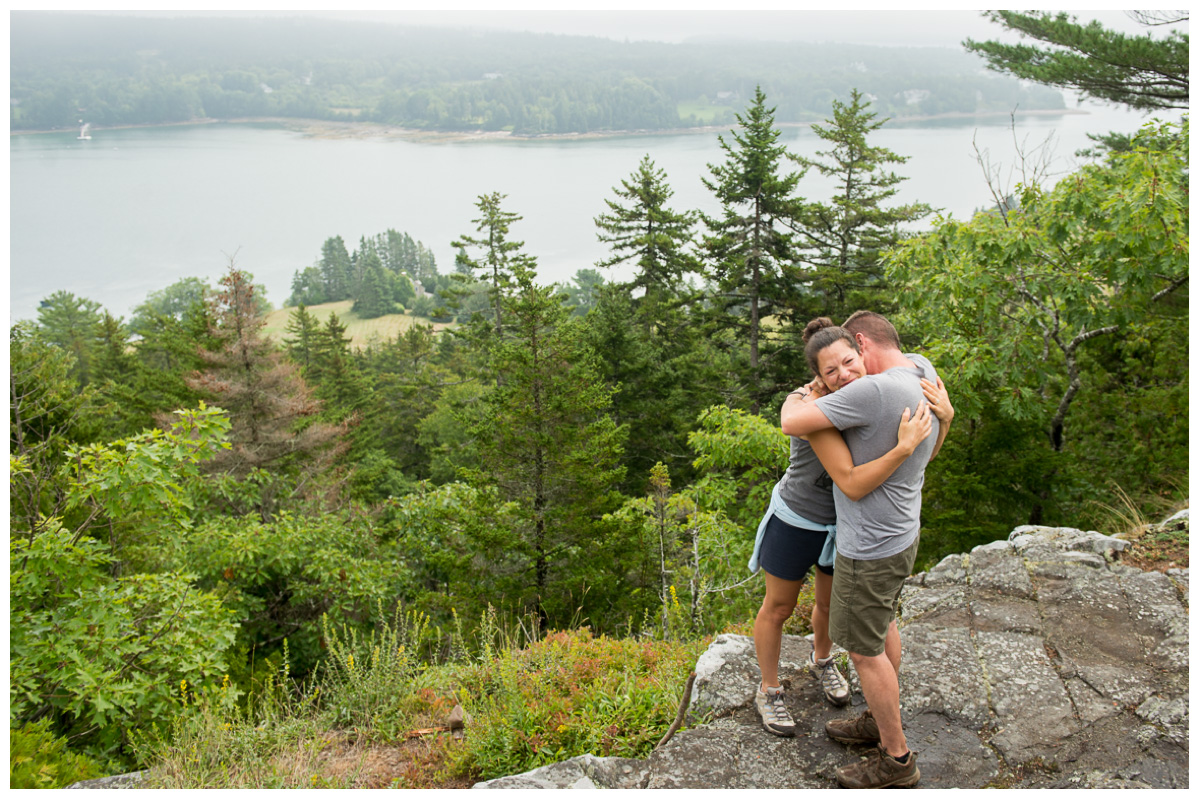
[{"x": 944, "y": 28}]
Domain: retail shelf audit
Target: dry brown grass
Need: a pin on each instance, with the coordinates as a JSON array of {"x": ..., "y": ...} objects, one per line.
[
  {"x": 361, "y": 331},
  {"x": 1155, "y": 546},
  {"x": 413, "y": 764},
  {"x": 331, "y": 760}
]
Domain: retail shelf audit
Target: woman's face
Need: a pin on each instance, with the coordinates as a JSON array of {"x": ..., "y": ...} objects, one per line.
[{"x": 839, "y": 365}]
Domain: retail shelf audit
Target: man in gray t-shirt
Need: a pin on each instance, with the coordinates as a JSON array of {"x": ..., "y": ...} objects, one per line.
[
  {"x": 887, "y": 520},
  {"x": 877, "y": 539}
]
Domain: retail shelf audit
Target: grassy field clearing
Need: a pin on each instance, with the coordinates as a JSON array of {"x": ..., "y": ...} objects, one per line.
[
  {"x": 704, "y": 112},
  {"x": 361, "y": 331}
]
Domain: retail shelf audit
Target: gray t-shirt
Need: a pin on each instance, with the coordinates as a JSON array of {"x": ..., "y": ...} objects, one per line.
[
  {"x": 806, "y": 488},
  {"x": 867, "y": 412}
]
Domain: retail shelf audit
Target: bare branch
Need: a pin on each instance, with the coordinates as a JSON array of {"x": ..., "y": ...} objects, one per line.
[
  {"x": 1155, "y": 18},
  {"x": 1170, "y": 288}
]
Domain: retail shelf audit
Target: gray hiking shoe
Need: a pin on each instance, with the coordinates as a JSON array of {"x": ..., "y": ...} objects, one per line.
[
  {"x": 837, "y": 690},
  {"x": 861, "y": 730},
  {"x": 775, "y": 717},
  {"x": 880, "y": 771}
]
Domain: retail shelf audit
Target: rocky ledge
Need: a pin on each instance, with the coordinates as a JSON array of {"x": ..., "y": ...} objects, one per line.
[{"x": 1040, "y": 661}]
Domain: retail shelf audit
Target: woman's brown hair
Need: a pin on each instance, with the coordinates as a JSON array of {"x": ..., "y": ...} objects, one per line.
[{"x": 819, "y": 334}]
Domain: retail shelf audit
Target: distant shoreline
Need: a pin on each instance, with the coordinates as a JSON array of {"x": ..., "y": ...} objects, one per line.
[{"x": 333, "y": 129}]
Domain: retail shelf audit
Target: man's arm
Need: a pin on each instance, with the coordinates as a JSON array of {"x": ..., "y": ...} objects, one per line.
[{"x": 800, "y": 415}]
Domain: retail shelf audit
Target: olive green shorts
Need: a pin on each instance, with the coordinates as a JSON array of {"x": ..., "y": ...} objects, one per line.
[{"x": 865, "y": 599}]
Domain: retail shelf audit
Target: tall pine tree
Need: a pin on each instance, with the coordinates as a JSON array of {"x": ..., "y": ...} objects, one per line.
[
  {"x": 750, "y": 248},
  {"x": 501, "y": 262},
  {"x": 843, "y": 239},
  {"x": 640, "y": 229}
]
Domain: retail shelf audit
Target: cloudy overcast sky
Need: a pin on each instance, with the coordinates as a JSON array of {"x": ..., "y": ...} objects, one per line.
[{"x": 943, "y": 28}]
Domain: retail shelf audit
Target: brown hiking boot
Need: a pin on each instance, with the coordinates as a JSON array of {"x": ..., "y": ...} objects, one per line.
[
  {"x": 861, "y": 730},
  {"x": 880, "y": 771}
]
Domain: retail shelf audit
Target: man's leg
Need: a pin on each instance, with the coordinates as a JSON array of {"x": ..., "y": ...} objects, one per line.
[
  {"x": 891, "y": 646},
  {"x": 863, "y": 613},
  {"x": 881, "y": 688}
]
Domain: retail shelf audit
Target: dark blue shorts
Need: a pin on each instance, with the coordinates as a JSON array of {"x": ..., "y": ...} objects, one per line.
[{"x": 789, "y": 553}]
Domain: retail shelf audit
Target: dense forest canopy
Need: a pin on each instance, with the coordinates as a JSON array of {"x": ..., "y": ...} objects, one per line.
[{"x": 113, "y": 70}]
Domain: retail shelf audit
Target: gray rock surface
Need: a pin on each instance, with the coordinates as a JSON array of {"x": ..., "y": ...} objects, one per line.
[
  {"x": 1040, "y": 661},
  {"x": 130, "y": 780},
  {"x": 582, "y": 772}
]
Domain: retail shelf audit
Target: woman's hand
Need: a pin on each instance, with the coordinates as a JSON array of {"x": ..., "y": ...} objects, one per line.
[
  {"x": 914, "y": 428},
  {"x": 939, "y": 401},
  {"x": 810, "y": 391}
]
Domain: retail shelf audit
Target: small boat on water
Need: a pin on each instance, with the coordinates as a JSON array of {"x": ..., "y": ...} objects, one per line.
[{"x": 83, "y": 132}]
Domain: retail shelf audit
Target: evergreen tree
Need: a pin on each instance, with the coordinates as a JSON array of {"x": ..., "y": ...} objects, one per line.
[
  {"x": 340, "y": 384},
  {"x": 114, "y": 361},
  {"x": 303, "y": 328},
  {"x": 647, "y": 233},
  {"x": 271, "y": 407},
  {"x": 1138, "y": 71},
  {"x": 501, "y": 262},
  {"x": 843, "y": 240},
  {"x": 335, "y": 269},
  {"x": 308, "y": 287},
  {"x": 409, "y": 375},
  {"x": 663, "y": 377},
  {"x": 545, "y": 439},
  {"x": 750, "y": 248},
  {"x": 374, "y": 293},
  {"x": 76, "y": 325},
  {"x": 584, "y": 291}
]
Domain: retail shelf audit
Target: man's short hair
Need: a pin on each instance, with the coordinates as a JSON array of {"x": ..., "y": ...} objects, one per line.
[{"x": 874, "y": 327}]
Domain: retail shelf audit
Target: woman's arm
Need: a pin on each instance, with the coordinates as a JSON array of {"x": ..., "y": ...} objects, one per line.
[
  {"x": 856, "y": 482},
  {"x": 939, "y": 402}
]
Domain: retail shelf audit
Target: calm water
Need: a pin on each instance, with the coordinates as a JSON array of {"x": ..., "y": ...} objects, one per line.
[{"x": 131, "y": 211}]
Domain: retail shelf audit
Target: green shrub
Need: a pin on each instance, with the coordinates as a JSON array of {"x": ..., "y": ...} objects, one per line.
[
  {"x": 36, "y": 760},
  {"x": 569, "y": 694}
]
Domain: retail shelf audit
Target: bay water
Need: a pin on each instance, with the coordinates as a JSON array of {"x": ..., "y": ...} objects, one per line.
[{"x": 131, "y": 211}]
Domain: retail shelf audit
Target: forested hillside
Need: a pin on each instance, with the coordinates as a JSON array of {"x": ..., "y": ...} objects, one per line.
[
  {"x": 203, "y": 517},
  {"x": 112, "y": 70}
]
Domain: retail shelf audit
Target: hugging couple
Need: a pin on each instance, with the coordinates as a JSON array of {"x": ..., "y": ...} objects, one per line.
[{"x": 860, "y": 439}]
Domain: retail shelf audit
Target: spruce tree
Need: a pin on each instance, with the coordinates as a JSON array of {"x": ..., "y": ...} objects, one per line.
[
  {"x": 335, "y": 268},
  {"x": 843, "y": 240},
  {"x": 545, "y": 438},
  {"x": 302, "y": 328},
  {"x": 374, "y": 294},
  {"x": 750, "y": 249},
  {"x": 501, "y": 263},
  {"x": 271, "y": 408},
  {"x": 640, "y": 229}
]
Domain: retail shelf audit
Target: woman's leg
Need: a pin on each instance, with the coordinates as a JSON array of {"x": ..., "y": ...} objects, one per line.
[
  {"x": 777, "y": 606},
  {"x": 822, "y": 589}
]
